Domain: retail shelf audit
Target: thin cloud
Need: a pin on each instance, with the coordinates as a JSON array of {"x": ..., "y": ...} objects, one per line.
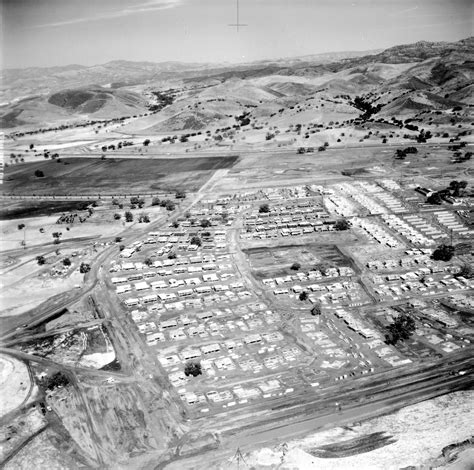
[
  {"x": 149, "y": 6},
  {"x": 403, "y": 12}
]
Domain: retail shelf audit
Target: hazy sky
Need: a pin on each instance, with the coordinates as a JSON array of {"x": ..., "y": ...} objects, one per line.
[{"x": 61, "y": 32}]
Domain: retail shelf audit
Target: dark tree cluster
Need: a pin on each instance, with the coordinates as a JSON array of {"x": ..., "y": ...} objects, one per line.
[
  {"x": 56, "y": 380},
  {"x": 192, "y": 368},
  {"x": 401, "y": 329},
  {"x": 443, "y": 253}
]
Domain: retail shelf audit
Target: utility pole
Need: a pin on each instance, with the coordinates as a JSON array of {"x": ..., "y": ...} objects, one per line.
[{"x": 239, "y": 457}]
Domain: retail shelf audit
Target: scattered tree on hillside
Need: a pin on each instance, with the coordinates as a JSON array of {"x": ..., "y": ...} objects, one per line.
[
  {"x": 40, "y": 260},
  {"x": 295, "y": 266},
  {"x": 303, "y": 296},
  {"x": 264, "y": 208},
  {"x": 205, "y": 223},
  {"x": 148, "y": 261},
  {"x": 146, "y": 142},
  {"x": 175, "y": 224},
  {"x": 143, "y": 218},
  {"x": 21, "y": 226},
  {"x": 155, "y": 201},
  {"x": 39, "y": 174},
  {"x": 180, "y": 195},
  {"x": 401, "y": 329},
  {"x": 117, "y": 216},
  {"x": 128, "y": 216},
  {"x": 67, "y": 262}
]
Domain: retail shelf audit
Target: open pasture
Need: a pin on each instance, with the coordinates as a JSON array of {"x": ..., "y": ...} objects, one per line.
[{"x": 112, "y": 176}]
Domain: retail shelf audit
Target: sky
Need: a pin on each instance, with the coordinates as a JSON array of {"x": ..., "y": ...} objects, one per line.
[{"x": 61, "y": 32}]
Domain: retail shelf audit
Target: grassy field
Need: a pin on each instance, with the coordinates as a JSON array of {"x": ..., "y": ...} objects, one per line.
[
  {"x": 18, "y": 209},
  {"x": 112, "y": 176}
]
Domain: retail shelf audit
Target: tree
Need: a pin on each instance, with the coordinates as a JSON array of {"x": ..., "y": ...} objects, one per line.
[
  {"x": 67, "y": 262},
  {"x": 117, "y": 216},
  {"x": 303, "y": 295},
  {"x": 434, "y": 198},
  {"x": 456, "y": 187},
  {"x": 170, "y": 206},
  {"x": 84, "y": 268},
  {"x": 316, "y": 310},
  {"x": 196, "y": 241},
  {"x": 172, "y": 255},
  {"x": 40, "y": 260},
  {"x": 205, "y": 223},
  {"x": 301, "y": 150},
  {"x": 295, "y": 266},
  {"x": 264, "y": 208},
  {"x": 342, "y": 224},
  {"x": 192, "y": 368},
  {"x": 32, "y": 146},
  {"x": 118, "y": 239},
  {"x": 466, "y": 271},
  {"x": 443, "y": 253},
  {"x": 146, "y": 142},
  {"x": 155, "y": 201},
  {"x": 21, "y": 226},
  {"x": 39, "y": 174},
  {"x": 400, "y": 329},
  {"x": 148, "y": 261},
  {"x": 128, "y": 216},
  {"x": 180, "y": 195}
]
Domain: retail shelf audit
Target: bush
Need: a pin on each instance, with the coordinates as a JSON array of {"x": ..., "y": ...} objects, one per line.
[
  {"x": 264, "y": 209},
  {"x": 303, "y": 296},
  {"x": 40, "y": 260},
  {"x": 205, "y": 223},
  {"x": 295, "y": 266},
  {"x": 117, "y": 216},
  {"x": 39, "y": 174},
  {"x": 67, "y": 262},
  {"x": 128, "y": 216}
]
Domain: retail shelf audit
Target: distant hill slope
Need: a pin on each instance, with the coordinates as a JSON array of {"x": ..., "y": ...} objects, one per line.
[{"x": 400, "y": 81}]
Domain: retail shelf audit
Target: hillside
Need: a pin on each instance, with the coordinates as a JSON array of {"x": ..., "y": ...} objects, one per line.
[{"x": 248, "y": 104}]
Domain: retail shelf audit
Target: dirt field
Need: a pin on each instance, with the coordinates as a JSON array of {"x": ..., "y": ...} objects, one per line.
[
  {"x": 413, "y": 441},
  {"x": 112, "y": 176},
  {"x": 14, "y": 382}
]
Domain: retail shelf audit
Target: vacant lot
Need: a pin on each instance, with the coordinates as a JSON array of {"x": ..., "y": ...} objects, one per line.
[
  {"x": 306, "y": 255},
  {"x": 112, "y": 176}
]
